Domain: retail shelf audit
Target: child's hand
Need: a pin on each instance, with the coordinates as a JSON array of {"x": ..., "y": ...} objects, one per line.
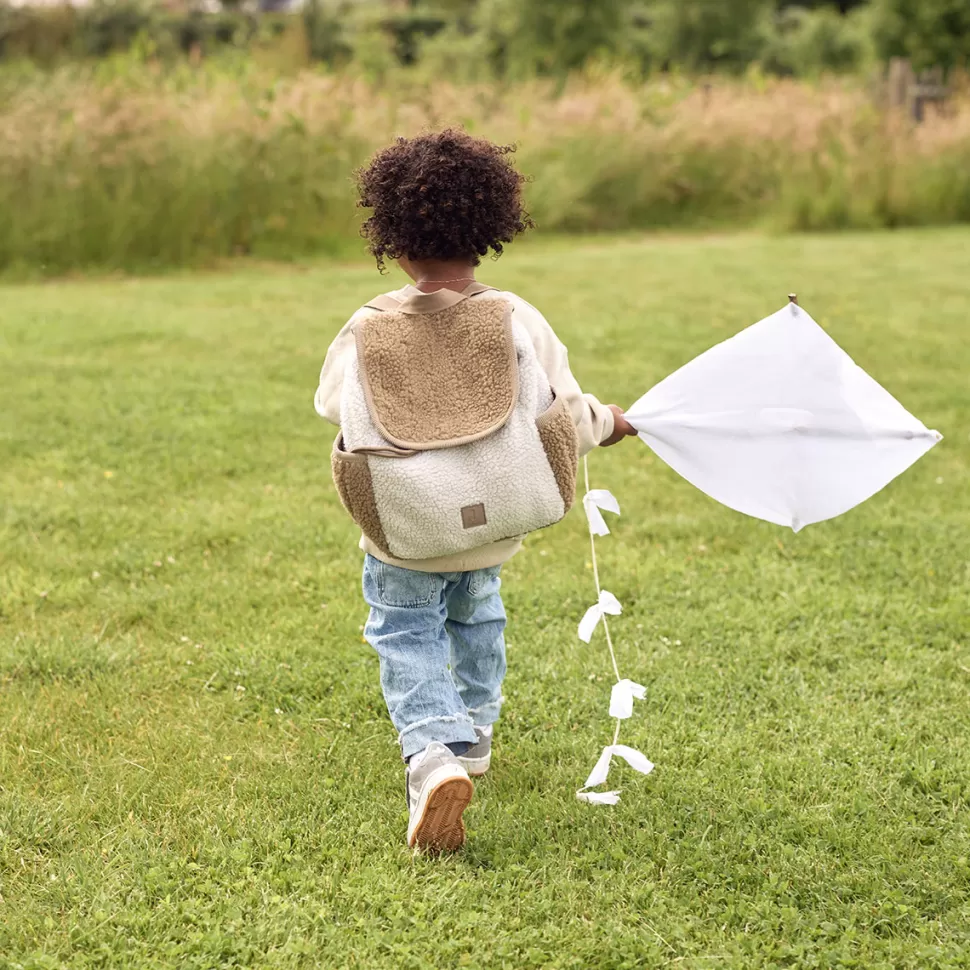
[{"x": 621, "y": 428}]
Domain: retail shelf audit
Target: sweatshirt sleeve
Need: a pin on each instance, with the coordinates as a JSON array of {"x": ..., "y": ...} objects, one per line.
[
  {"x": 594, "y": 421},
  {"x": 327, "y": 399}
]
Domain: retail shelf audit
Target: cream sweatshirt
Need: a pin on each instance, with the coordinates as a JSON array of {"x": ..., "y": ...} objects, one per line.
[{"x": 594, "y": 421}]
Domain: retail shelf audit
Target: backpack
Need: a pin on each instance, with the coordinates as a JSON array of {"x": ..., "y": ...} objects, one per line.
[{"x": 451, "y": 436}]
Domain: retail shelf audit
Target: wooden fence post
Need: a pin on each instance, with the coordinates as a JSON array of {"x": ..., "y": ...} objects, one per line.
[
  {"x": 910, "y": 92},
  {"x": 900, "y": 79},
  {"x": 928, "y": 86}
]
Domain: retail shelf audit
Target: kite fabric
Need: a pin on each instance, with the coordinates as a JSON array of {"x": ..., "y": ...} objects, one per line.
[{"x": 779, "y": 423}]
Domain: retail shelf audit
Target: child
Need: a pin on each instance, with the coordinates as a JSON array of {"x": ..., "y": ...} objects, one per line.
[{"x": 441, "y": 202}]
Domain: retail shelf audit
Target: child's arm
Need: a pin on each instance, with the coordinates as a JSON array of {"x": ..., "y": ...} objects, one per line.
[
  {"x": 621, "y": 427},
  {"x": 596, "y": 423},
  {"x": 327, "y": 399}
]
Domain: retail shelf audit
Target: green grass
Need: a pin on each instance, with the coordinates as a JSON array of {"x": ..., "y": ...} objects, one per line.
[{"x": 196, "y": 768}]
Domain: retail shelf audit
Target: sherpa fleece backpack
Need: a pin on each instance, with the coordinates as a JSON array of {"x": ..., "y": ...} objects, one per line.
[{"x": 451, "y": 436}]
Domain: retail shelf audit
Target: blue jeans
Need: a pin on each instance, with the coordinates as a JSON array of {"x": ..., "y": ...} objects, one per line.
[{"x": 440, "y": 639}]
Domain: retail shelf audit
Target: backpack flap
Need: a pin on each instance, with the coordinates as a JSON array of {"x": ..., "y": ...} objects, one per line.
[{"x": 439, "y": 380}]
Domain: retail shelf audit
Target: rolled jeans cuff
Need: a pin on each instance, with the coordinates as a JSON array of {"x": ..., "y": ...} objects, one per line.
[
  {"x": 487, "y": 713},
  {"x": 448, "y": 729}
]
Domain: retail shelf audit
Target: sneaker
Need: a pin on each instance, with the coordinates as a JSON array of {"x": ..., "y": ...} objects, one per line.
[
  {"x": 439, "y": 790},
  {"x": 479, "y": 756}
]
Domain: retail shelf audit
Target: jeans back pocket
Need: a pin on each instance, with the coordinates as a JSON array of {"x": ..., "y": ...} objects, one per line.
[
  {"x": 484, "y": 582},
  {"x": 405, "y": 587}
]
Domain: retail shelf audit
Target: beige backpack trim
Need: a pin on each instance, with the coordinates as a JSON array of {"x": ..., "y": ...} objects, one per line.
[{"x": 460, "y": 357}]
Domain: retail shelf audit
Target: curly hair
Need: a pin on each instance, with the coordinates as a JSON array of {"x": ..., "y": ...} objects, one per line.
[{"x": 442, "y": 196}]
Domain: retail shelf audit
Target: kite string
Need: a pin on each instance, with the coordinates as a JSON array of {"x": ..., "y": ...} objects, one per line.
[{"x": 596, "y": 579}]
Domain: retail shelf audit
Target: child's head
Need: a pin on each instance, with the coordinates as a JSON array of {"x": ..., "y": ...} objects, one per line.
[{"x": 444, "y": 196}]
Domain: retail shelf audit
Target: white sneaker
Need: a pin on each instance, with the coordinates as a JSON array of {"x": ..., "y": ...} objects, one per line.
[
  {"x": 439, "y": 790},
  {"x": 479, "y": 756}
]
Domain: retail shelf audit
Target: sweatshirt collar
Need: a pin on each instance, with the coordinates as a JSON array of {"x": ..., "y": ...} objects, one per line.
[{"x": 414, "y": 300}]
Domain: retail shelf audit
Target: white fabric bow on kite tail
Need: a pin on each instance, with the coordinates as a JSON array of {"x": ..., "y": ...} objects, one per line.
[
  {"x": 624, "y": 691},
  {"x": 599, "y": 498}
]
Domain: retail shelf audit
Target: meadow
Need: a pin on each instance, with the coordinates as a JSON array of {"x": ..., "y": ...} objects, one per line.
[
  {"x": 133, "y": 166},
  {"x": 196, "y": 769}
]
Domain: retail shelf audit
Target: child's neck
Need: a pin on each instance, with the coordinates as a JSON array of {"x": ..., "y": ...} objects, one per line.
[{"x": 430, "y": 275}]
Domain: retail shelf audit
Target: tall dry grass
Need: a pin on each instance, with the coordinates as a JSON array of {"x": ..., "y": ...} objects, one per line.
[{"x": 140, "y": 169}]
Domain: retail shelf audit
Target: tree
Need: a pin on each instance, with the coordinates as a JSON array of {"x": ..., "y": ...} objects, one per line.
[
  {"x": 536, "y": 36},
  {"x": 843, "y": 6},
  {"x": 706, "y": 33},
  {"x": 929, "y": 32}
]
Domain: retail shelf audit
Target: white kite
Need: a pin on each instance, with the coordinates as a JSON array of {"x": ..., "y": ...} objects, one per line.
[{"x": 777, "y": 422}]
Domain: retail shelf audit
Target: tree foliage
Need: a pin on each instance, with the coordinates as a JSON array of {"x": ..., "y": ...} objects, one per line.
[
  {"x": 928, "y": 32},
  {"x": 531, "y": 36},
  {"x": 805, "y": 42},
  {"x": 521, "y": 38},
  {"x": 706, "y": 33}
]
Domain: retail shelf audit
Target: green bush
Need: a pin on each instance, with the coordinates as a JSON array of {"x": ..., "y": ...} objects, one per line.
[
  {"x": 132, "y": 168},
  {"x": 929, "y": 32},
  {"x": 49, "y": 35},
  {"x": 43, "y": 36},
  {"x": 807, "y": 43},
  {"x": 518, "y": 39},
  {"x": 530, "y": 37},
  {"x": 326, "y": 32},
  {"x": 706, "y": 34}
]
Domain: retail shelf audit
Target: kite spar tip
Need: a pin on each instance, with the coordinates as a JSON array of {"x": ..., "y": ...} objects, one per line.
[{"x": 793, "y": 302}]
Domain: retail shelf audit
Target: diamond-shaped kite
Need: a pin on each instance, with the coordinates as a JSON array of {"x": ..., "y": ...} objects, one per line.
[{"x": 778, "y": 422}]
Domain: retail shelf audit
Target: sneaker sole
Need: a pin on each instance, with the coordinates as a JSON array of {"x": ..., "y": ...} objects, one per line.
[
  {"x": 440, "y": 827},
  {"x": 476, "y": 767}
]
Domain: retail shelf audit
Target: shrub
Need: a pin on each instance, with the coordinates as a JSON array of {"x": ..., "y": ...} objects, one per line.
[
  {"x": 517, "y": 39},
  {"x": 132, "y": 169},
  {"x": 525, "y": 38},
  {"x": 706, "y": 34},
  {"x": 808, "y": 43},
  {"x": 929, "y": 32},
  {"x": 49, "y": 35}
]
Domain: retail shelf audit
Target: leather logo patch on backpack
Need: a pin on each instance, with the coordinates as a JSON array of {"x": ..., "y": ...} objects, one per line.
[{"x": 473, "y": 516}]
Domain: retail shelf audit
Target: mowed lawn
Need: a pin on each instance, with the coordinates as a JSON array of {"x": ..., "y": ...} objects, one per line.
[{"x": 196, "y": 768}]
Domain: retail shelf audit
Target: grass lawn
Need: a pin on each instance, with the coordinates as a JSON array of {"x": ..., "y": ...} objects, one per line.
[{"x": 196, "y": 767}]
